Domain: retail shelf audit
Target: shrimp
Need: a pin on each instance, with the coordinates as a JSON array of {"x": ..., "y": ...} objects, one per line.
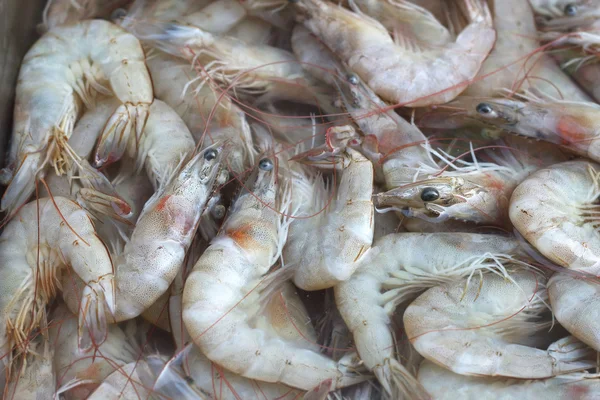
[
  {"x": 560, "y": 222},
  {"x": 403, "y": 72},
  {"x": 36, "y": 377},
  {"x": 442, "y": 384},
  {"x": 133, "y": 381},
  {"x": 163, "y": 232},
  {"x": 564, "y": 14},
  {"x": 516, "y": 39},
  {"x": 326, "y": 249},
  {"x": 45, "y": 236},
  {"x": 398, "y": 267},
  {"x": 68, "y": 12},
  {"x": 504, "y": 313},
  {"x": 228, "y": 123},
  {"x": 569, "y": 124},
  {"x": 475, "y": 192},
  {"x": 259, "y": 70},
  {"x": 78, "y": 371},
  {"x": 63, "y": 70},
  {"x": 223, "y": 328},
  {"x": 204, "y": 377}
]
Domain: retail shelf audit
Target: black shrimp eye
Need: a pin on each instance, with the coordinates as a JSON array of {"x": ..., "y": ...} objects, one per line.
[
  {"x": 210, "y": 155},
  {"x": 484, "y": 108},
  {"x": 118, "y": 14},
  {"x": 571, "y": 10},
  {"x": 219, "y": 211},
  {"x": 265, "y": 164},
  {"x": 353, "y": 79},
  {"x": 430, "y": 194}
]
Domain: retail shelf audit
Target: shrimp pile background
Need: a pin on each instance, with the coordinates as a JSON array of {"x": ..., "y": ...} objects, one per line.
[{"x": 304, "y": 199}]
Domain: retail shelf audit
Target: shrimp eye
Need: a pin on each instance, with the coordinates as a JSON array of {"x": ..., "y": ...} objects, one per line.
[
  {"x": 571, "y": 10},
  {"x": 265, "y": 164},
  {"x": 118, "y": 14},
  {"x": 430, "y": 194},
  {"x": 210, "y": 155},
  {"x": 484, "y": 108},
  {"x": 219, "y": 211},
  {"x": 353, "y": 79}
]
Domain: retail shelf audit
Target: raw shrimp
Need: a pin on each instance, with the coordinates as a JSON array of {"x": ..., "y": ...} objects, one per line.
[
  {"x": 270, "y": 72},
  {"x": 483, "y": 328},
  {"x": 63, "y": 70},
  {"x": 36, "y": 379},
  {"x": 403, "y": 71},
  {"x": 203, "y": 377},
  {"x": 220, "y": 324},
  {"x": 398, "y": 267},
  {"x": 163, "y": 232},
  {"x": 565, "y": 14},
  {"x": 326, "y": 249},
  {"x": 134, "y": 381},
  {"x": 442, "y": 384},
  {"x": 474, "y": 191},
  {"x": 227, "y": 122},
  {"x": 45, "y": 236},
  {"x": 572, "y": 125},
  {"x": 556, "y": 209},
  {"x": 515, "y": 62},
  {"x": 80, "y": 371},
  {"x": 68, "y": 12}
]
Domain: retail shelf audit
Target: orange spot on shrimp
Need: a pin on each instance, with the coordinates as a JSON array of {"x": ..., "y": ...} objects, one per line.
[
  {"x": 571, "y": 130},
  {"x": 161, "y": 204},
  {"x": 243, "y": 236}
]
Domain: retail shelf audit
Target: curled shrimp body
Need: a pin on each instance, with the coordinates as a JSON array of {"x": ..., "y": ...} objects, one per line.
[
  {"x": 203, "y": 109},
  {"x": 573, "y": 125},
  {"x": 163, "y": 232},
  {"x": 326, "y": 249},
  {"x": 442, "y": 384},
  {"x": 45, "y": 236},
  {"x": 396, "y": 72},
  {"x": 483, "y": 328},
  {"x": 555, "y": 209},
  {"x": 63, "y": 70},
  {"x": 77, "y": 371},
  {"x": 398, "y": 267},
  {"x": 217, "y": 312}
]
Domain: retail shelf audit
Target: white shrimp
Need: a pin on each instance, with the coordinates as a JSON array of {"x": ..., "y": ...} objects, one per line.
[
  {"x": 221, "y": 324},
  {"x": 326, "y": 249},
  {"x": 68, "y": 12},
  {"x": 133, "y": 381},
  {"x": 403, "y": 71},
  {"x": 516, "y": 40},
  {"x": 556, "y": 209},
  {"x": 203, "y": 109},
  {"x": 36, "y": 377},
  {"x": 45, "y": 236},
  {"x": 61, "y": 72},
  {"x": 398, "y": 267},
  {"x": 442, "y": 384},
  {"x": 80, "y": 371},
  {"x": 483, "y": 328},
  {"x": 163, "y": 232}
]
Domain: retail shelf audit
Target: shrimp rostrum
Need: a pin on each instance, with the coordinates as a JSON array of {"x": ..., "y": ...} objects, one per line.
[
  {"x": 219, "y": 303},
  {"x": 63, "y": 71}
]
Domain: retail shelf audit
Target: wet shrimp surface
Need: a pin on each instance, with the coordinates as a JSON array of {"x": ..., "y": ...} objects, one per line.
[{"x": 308, "y": 199}]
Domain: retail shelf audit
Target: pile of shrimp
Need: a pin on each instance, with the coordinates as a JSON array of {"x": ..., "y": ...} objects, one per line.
[{"x": 307, "y": 199}]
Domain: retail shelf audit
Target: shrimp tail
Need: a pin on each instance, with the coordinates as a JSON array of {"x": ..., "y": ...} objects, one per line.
[
  {"x": 398, "y": 382},
  {"x": 571, "y": 354},
  {"x": 93, "y": 326},
  {"x": 22, "y": 184},
  {"x": 114, "y": 138}
]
